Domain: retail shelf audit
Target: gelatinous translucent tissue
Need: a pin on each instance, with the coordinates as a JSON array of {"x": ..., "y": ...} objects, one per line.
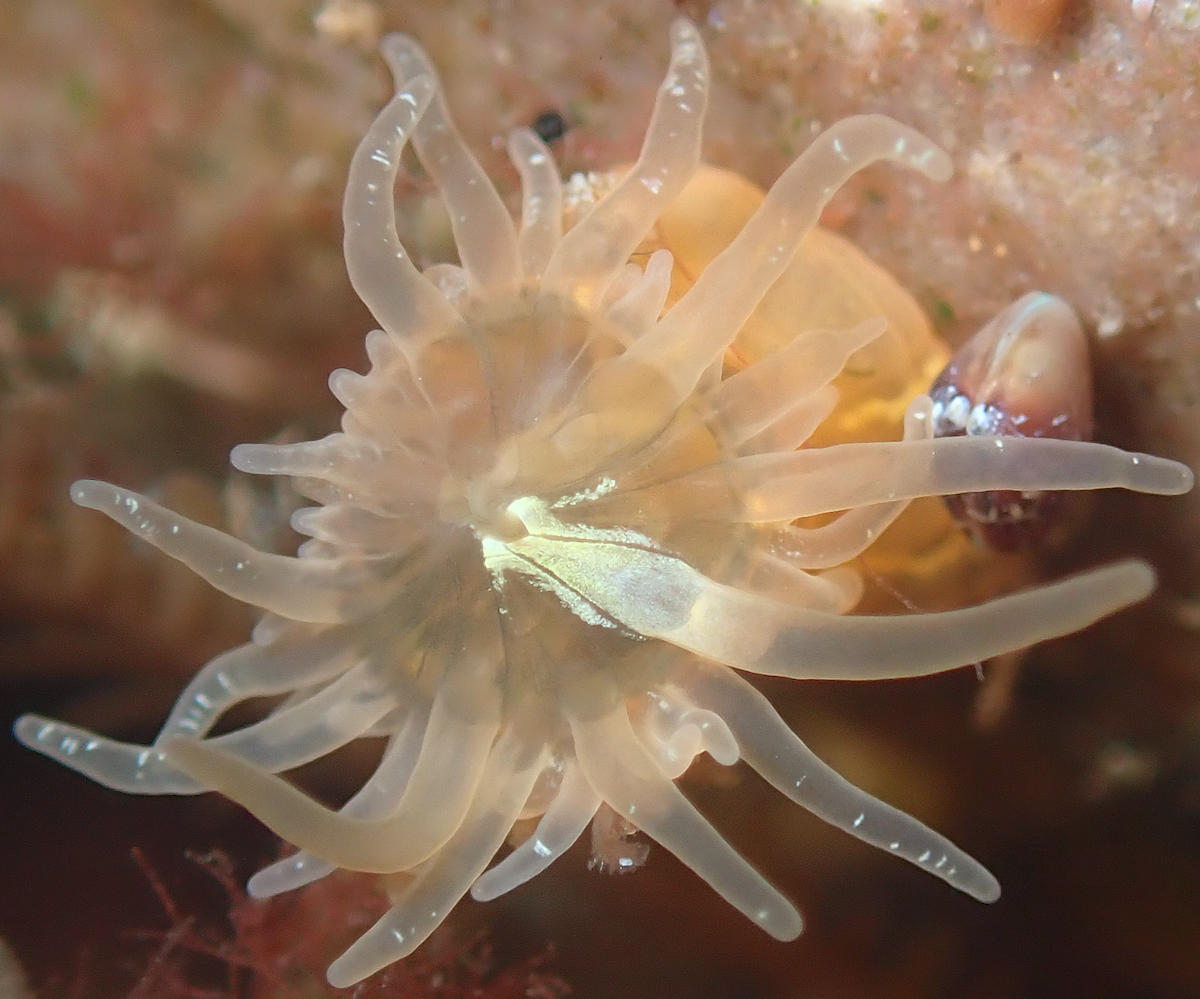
[{"x": 552, "y": 530}]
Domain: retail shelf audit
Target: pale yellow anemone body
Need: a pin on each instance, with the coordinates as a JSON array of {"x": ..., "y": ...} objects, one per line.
[
  {"x": 557, "y": 527},
  {"x": 831, "y": 284}
]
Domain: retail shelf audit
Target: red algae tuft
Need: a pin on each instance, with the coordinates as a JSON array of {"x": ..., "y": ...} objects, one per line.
[{"x": 278, "y": 949}]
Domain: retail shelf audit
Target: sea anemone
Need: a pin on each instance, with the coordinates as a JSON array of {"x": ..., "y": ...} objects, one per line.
[{"x": 556, "y": 525}]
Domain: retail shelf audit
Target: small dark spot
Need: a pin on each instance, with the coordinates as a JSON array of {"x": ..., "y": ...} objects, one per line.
[
  {"x": 943, "y": 311},
  {"x": 930, "y": 22},
  {"x": 550, "y": 125}
]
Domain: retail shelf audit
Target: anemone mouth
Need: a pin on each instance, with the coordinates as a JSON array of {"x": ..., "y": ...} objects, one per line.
[{"x": 502, "y": 525}]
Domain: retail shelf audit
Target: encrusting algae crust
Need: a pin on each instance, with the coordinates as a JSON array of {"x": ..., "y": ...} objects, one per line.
[{"x": 567, "y": 507}]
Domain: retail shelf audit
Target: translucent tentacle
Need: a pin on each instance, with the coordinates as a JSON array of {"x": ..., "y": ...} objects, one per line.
[
  {"x": 402, "y": 301},
  {"x": 828, "y": 545},
  {"x": 462, "y": 724},
  {"x": 848, "y": 583},
  {"x": 383, "y": 351},
  {"x": 325, "y": 591},
  {"x": 783, "y": 487},
  {"x": 285, "y": 739},
  {"x": 563, "y": 823},
  {"x": 348, "y": 387},
  {"x": 593, "y": 252},
  {"x": 391, "y": 388},
  {"x": 354, "y": 527},
  {"x": 317, "y": 725},
  {"x": 122, "y": 766},
  {"x": 541, "y": 200},
  {"x": 451, "y": 280},
  {"x": 660, "y": 596},
  {"x": 385, "y": 407},
  {"x": 295, "y": 657},
  {"x": 793, "y": 426},
  {"x": 855, "y": 530},
  {"x": 639, "y": 307},
  {"x": 625, "y": 280},
  {"x": 780, "y": 577},
  {"x": 674, "y": 731},
  {"x": 336, "y": 458},
  {"x": 425, "y": 901},
  {"x": 483, "y": 230},
  {"x": 704, "y": 322},
  {"x": 627, "y": 778},
  {"x": 750, "y": 401},
  {"x": 380, "y": 794},
  {"x": 876, "y": 648},
  {"x": 386, "y": 481},
  {"x": 298, "y": 656},
  {"x": 772, "y": 749},
  {"x": 272, "y": 628}
]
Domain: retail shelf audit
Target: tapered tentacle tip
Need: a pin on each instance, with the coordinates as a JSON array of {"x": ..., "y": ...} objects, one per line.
[
  {"x": 936, "y": 164},
  {"x": 54, "y": 740},
  {"x": 94, "y": 494},
  {"x": 924, "y": 155},
  {"x": 243, "y": 456},
  {"x": 29, "y": 731},
  {"x": 986, "y": 888},
  {"x": 260, "y": 887},
  {"x": 342, "y": 974},
  {"x": 964, "y": 873},
  {"x": 684, "y": 32},
  {"x": 783, "y": 921},
  {"x": 395, "y": 43},
  {"x": 908, "y": 146},
  {"x": 1162, "y": 475},
  {"x": 1130, "y": 581},
  {"x": 364, "y": 957},
  {"x": 404, "y": 56},
  {"x": 286, "y": 875},
  {"x": 522, "y": 143}
]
